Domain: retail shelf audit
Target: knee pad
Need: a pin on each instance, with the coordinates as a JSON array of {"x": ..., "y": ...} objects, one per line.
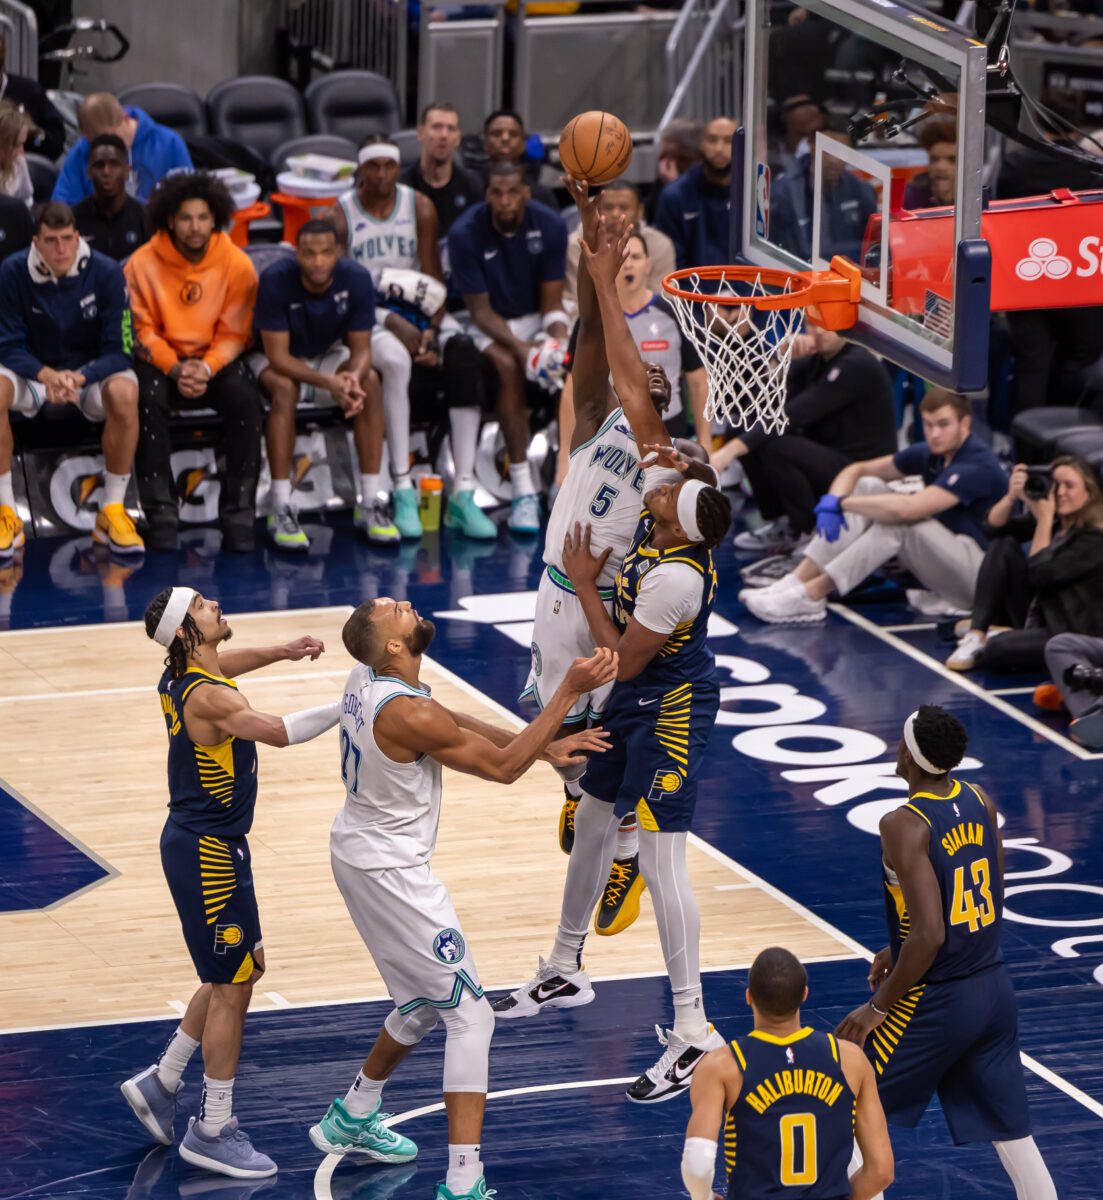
[
  {"x": 470, "y": 1027},
  {"x": 410, "y": 1028}
]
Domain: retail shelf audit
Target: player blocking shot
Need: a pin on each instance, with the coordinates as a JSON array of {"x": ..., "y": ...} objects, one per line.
[
  {"x": 395, "y": 738},
  {"x": 212, "y": 774},
  {"x": 791, "y": 1101},
  {"x": 943, "y": 1017},
  {"x": 659, "y": 715}
]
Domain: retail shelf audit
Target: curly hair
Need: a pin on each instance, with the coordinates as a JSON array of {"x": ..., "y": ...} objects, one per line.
[
  {"x": 940, "y": 736},
  {"x": 714, "y": 516},
  {"x": 178, "y": 649},
  {"x": 176, "y": 190}
]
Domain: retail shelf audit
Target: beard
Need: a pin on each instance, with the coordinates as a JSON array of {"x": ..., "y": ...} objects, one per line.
[{"x": 418, "y": 641}]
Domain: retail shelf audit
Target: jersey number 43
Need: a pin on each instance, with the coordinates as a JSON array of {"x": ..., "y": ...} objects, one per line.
[{"x": 964, "y": 909}]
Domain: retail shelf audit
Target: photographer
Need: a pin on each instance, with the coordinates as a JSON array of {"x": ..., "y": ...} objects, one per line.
[
  {"x": 1055, "y": 587},
  {"x": 1076, "y": 663}
]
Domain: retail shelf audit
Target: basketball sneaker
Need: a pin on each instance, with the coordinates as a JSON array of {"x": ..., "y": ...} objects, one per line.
[
  {"x": 373, "y": 521},
  {"x": 115, "y": 529},
  {"x": 671, "y": 1075},
  {"x": 339, "y": 1132},
  {"x": 230, "y": 1153},
  {"x": 620, "y": 902},
  {"x": 466, "y": 516},
  {"x": 524, "y": 514},
  {"x": 546, "y": 989},
  {"x": 407, "y": 519},
  {"x": 788, "y": 604},
  {"x": 153, "y": 1104},
  {"x": 11, "y": 531},
  {"x": 566, "y": 821},
  {"x": 285, "y": 532},
  {"x": 479, "y": 1192}
]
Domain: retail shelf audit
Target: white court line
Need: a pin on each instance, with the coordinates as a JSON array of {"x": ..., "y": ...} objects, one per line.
[
  {"x": 963, "y": 682},
  {"x": 179, "y": 1008},
  {"x": 921, "y": 627},
  {"x": 273, "y": 612},
  {"x": 734, "y": 887},
  {"x": 1016, "y": 691},
  {"x": 278, "y": 1001},
  {"x": 255, "y": 680}
]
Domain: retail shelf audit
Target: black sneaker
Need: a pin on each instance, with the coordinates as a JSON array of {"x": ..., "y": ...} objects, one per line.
[
  {"x": 566, "y": 821},
  {"x": 671, "y": 1075},
  {"x": 620, "y": 902},
  {"x": 546, "y": 989}
]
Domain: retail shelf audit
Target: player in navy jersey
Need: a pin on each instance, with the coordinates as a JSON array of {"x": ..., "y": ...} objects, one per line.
[
  {"x": 792, "y": 1102},
  {"x": 212, "y": 769},
  {"x": 942, "y": 1017}
]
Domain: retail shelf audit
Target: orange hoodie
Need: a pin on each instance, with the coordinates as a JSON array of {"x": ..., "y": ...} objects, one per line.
[{"x": 191, "y": 310}]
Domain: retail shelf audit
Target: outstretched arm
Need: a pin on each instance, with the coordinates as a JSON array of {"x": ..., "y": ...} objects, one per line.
[
  {"x": 251, "y": 658},
  {"x": 214, "y": 713},
  {"x": 590, "y": 367}
]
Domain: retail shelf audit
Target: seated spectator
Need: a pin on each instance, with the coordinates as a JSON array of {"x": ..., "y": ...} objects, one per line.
[
  {"x": 619, "y": 202},
  {"x": 936, "y": 187},
  {"x": 937, "y": 533},
  {"x": 155, "y": 150},
  {"x": 1056, "y": 587},
  {"x": 110, "y": 220},
  {"x": 452, "y": 189},
  {"x": 801, "y": 118},
  {"x": 15, "y": 178},
  {"x": 840, "y": 409},
  {"x": 1075, "y": 661},
  {"x": 65, "y": 338},
  {"x": 314, "y": 320},
  {"x": 16, "y": 226},
  {"x": 694, "y": 210},
  {"x": 193, "y": 293},
  {"x": 848, "y": 203},
  {"x": 47, "y": 135},
  {"x": 504, "y": 141},
  {"x": 508, "y": 260},
  {"x": 679, "y": 149}
]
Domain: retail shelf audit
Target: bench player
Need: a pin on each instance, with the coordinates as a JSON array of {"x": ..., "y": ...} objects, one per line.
[{"x": 943, "y": 1017}]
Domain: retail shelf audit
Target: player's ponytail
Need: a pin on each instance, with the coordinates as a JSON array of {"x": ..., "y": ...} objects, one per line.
[
  {"x": 178, "y": 649},
  {"x": 714, "y": 516}
]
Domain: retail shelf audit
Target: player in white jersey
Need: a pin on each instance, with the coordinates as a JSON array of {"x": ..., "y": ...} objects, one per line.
[
  {"x": 394, "y": 740},
  {"x": 603, "y": 487}
]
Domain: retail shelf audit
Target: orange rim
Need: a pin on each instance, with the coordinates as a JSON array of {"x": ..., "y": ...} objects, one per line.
[{"x": 840, "y": 284}]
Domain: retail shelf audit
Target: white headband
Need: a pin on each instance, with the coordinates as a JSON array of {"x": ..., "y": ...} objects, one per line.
[
  {"x": 175, "y": 612},
  {"x": 378, "y": 150},
  {"x": 921, "y": 760},
  {"x": 687, "y": 508}
]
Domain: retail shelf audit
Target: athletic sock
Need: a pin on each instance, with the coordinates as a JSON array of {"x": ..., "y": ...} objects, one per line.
[
  {"x": 402, "y": 483},
  {"x": 216, "y": 1106},
  {"x": 465, "y": 423},
  {"x": 566, "y": 955},
  {"x": 628, "y": 841},
  {"x": 690, "y": 1022},
  {"x": 174, "y": 1058},
  {"x": 7, "y": 490},
  {"x": 281, "y": 494},
  {"x": 573, "y": 788},
  {"x": 464, "y": 1168},
  {"x": 114, "y": 488},
  {"x": 362, "y": 1099},
  {"x": 369, "y": 488},
  {"x": 520, "y": 477}
]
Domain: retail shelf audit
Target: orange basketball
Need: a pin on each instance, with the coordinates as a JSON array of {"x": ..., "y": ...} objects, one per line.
[{"x": 595, "y": 146}]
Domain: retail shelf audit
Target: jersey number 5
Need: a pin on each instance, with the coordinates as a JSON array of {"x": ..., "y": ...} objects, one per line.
[
  {"x": 603, "y": 500},
  {"x": 788, "y": 1127},
  {"x": 347, "y": 745},
  {"x": 964, "y": 910}
]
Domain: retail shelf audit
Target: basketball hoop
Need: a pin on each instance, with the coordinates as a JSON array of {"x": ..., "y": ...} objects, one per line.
[{"x": 742, "y": 321}]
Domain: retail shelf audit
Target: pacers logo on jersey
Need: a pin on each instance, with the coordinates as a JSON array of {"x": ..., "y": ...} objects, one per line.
[
  {"x": 227, "y": 937},
  {"x": 449, "y": 946},
  {"x": 666, "y": 782}
]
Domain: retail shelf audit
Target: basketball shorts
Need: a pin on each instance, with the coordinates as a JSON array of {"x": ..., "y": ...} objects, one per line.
[
  {"x": 961, "y": 1040},
  {"x": 211, "y": 881},
  {"x": 560, "y": 634},
  {"x": 408, "y": 923},
  {"x": 658, "y": 736},
  {"x": 30, "y": 395},
  {"x": 328, "y": 363},
  {"x": 525, "y": 328}
]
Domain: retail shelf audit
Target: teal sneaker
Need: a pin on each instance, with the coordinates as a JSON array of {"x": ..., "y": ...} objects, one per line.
[
  {"x": 466, "y": 516},
  {"x": 338, "y": 1132},
  {"x": 285, "y": 532},
  {"x": 373, "y": 520},
  {"x": 479, "y": 1192},
  {"x": 406, "y": 517},
  {"x": 524, "y": 514}
]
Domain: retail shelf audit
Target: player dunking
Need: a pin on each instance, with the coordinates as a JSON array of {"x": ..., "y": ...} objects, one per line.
[
  {"x": 659, "y": 715},
  {"x": 792, "y": 1102},
  {"x": 943, "y": 1017},
  {"x": 603, "y": 486},
  {"x": 212, "y": 768},
  {"x": 394, "y": 740}
]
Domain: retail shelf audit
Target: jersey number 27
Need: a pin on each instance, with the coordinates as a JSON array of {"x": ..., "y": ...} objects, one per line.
[{"x": 347, "y": 746}]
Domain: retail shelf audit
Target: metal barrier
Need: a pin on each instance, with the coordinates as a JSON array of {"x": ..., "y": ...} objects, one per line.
[
  {"x": 462, "y": 61},
  {"x": 20, "y": 26},
  {"x": 704, "y": 61}
]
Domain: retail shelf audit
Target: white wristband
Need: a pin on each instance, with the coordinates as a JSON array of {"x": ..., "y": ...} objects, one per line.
[
  {"x": 699, "y": 1167},
  {"x": 556, "y": 317},
  {"x": 308, "y": 723}
]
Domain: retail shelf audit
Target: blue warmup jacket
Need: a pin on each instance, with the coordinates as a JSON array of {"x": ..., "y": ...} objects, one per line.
[
  {"x": 78, "y": 323},
  {"x": 696, "y": 215}
]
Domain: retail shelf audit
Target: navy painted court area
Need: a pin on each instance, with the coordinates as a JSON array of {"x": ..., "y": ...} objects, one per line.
[{"x": 801, "y": 768}]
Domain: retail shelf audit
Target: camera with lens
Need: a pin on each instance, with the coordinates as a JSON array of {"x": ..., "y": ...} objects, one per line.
[
  {"x": 1039, "y": 483},
  {"x": 1083, "y": 678}
]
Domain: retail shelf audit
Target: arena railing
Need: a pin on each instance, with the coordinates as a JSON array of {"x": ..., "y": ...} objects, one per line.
[
  {"x": 20, "y": 26},
  {"x": 462, "y": 61}
]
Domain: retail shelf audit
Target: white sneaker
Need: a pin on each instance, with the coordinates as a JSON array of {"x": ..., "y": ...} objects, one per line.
[
  {"x": 761, "y": 589},
  {"x": 548, "y": 988},
  {"x": 671, "y": 1075},
  {"x": 788, "y": 605},
  {"x": 773, "y": 536},
  {"x": 969, "y": 649},
  {"x": 931, "y": 604}
]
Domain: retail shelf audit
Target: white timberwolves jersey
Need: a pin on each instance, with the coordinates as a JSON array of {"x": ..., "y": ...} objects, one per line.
[
  {"x": 391, "y": 809},
  {"x": 604, "y": 486},
  {"x": 388, "y": 242}
]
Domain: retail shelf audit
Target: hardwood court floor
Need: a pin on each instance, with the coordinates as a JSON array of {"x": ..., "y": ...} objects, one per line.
[{"x": 84, "y": 741}]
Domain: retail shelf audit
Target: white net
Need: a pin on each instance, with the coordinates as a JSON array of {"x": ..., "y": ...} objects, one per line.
[{"x": 745, "y": 351}]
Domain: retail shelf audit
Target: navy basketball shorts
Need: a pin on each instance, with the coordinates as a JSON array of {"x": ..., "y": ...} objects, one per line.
[
  {"x": 658, "y": 736},
  {"x": 961, "y": 1040},
  {"x": 211, "y": 881}
]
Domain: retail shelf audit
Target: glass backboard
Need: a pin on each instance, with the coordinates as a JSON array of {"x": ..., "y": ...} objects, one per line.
[{"x": 864, "y": 137}]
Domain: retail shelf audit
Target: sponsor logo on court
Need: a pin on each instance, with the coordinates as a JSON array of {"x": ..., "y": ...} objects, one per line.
[{"x": 449, "y": 945}]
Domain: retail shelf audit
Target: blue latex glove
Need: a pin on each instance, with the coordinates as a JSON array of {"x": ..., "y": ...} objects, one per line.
[{"x": 830, "y": 521}]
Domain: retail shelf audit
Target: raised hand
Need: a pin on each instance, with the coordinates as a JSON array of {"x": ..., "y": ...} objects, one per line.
[
  {"x": 588, "y": 674},
  {"x": 606, "y": 260},
  {"x": 304, "y": 647},
  {"x": 571, "y": 751},
  {"x": 587, "y": 206}
]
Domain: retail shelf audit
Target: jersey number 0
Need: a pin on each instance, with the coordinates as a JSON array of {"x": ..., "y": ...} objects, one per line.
[{"x": 789, "y": 1126}]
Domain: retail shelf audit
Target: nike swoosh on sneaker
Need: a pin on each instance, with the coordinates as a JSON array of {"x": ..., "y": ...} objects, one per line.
[
  {"x": 547, "y": 990},
  {"x": 679, "y": 1073}
]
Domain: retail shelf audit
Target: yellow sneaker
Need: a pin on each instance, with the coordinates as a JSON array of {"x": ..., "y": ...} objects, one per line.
[
  {"x": 115, "y": 528},
  {"x": 620, "y": 902},
  {"x": 11, "y": 531},
  {"x": 566, "y": 822}
]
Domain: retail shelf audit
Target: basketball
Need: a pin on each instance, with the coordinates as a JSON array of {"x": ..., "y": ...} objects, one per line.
[{"x": 595, "y": 146}]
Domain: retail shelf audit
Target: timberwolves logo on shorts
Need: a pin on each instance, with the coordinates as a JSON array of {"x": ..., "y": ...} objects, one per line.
[
  {"x": 537, "y": 661},
  {"x": 666, "y": 782},
  {"x": 226, "y": 936},
  {"x": 448, "y": 945}
]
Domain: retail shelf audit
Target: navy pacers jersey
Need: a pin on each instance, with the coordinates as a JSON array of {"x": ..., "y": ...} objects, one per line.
[
  {"x": 791, "y": 1131},
  {"x": 964, "y": 857},
  {"x": 212, "y": 789},
  {"x": 685, "y": 656}
]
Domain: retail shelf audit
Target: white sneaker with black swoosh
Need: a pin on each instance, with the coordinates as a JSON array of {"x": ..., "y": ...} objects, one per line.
[
  {"x": 548, "y": 988},
  {"x": 671, "y": 1075}
]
